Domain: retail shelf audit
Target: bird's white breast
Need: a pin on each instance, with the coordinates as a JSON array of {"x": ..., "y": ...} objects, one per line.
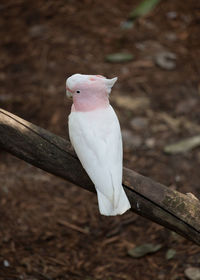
[{"x": 96, "y": 138}]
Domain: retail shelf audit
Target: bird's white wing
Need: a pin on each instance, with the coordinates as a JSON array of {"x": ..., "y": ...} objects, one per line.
[{"x": 96, "y": 138}]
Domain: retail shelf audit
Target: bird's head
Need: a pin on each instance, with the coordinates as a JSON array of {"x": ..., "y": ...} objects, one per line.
[{"x": 89, "y": 92}]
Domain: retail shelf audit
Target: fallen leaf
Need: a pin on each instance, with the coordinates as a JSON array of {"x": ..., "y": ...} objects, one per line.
[
  {"x": 173, "y": 123},
  {"x": 176, "y": 237},
  {"x": 143, "y": 8},
  {"x": 144, "y": 249},
  {"x": 165, "y": 60},
  {"x": 192, "y": 273},
  {"x": 119, "y": 57},
  {"x": 132, "y": 103},
  {"x": 183, "y": 146},
  {"x": 170, "y": 254},
  {"x": 177, "y": 124}
]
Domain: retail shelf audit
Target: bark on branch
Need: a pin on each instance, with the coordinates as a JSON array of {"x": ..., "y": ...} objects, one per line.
[{"x": 43, "y": 149}]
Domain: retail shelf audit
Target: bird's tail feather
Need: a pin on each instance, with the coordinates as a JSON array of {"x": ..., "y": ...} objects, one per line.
[{"x": 107, "y": 207}]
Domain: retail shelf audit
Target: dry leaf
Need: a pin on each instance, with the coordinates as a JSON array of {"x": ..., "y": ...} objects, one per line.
[
  {"x": 192, "y": 273},
  {"x": 170, "y": 254},
  {"x": 183, "y": 146},
  {"x": 119, "y": 57},
  {"x": 132, "y": 103},
  {"x": 144, "y": 249}
]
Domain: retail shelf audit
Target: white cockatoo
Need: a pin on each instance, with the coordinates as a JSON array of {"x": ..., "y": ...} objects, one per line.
[{"x": 95, "y": 134}]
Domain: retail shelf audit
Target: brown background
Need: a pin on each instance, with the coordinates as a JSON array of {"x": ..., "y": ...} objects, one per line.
[{"x": 50, "y": 229}]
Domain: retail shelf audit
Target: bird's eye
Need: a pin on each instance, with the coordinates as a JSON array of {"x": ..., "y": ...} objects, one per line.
[{"x": 78, "y": 91}]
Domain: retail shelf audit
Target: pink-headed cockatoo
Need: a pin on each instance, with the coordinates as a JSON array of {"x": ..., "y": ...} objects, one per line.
[{"x": 95, "y": 134}]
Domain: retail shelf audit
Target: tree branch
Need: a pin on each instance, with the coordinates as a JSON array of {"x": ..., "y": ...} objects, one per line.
[{"x": 43, "y": 149}]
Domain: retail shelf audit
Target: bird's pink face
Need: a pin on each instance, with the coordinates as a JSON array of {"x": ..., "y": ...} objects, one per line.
[{"x": 89, "y": 92}]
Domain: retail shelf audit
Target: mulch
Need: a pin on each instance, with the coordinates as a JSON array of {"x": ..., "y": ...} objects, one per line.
[{"x": 49, "y": 228}]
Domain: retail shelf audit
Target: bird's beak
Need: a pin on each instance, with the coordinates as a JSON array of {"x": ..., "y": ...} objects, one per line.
[{"x": 69, "y": 92}]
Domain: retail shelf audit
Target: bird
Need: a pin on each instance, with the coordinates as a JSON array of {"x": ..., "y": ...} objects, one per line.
[{"x": 95, "y": 135}]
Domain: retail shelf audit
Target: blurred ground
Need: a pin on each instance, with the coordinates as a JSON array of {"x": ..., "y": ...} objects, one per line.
[{"x": 50, "y": 229}]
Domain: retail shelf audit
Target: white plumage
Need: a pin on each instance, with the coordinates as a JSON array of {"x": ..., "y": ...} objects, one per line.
[{"x": 96, "y": 138}]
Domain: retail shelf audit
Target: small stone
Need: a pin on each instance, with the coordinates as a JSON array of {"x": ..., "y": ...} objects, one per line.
[
  {"x": 6, "y": 263},
  {"x": 178, "y": 178},
  {"x": 172, "y": 15},
  {"x": 150, "y": 143}
]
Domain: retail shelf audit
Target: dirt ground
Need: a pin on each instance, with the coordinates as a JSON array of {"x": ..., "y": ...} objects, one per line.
[{"x": 49, "y": 228}]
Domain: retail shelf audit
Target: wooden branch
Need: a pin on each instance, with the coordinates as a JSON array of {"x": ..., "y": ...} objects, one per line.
[{"x": 43, "y": 149}]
